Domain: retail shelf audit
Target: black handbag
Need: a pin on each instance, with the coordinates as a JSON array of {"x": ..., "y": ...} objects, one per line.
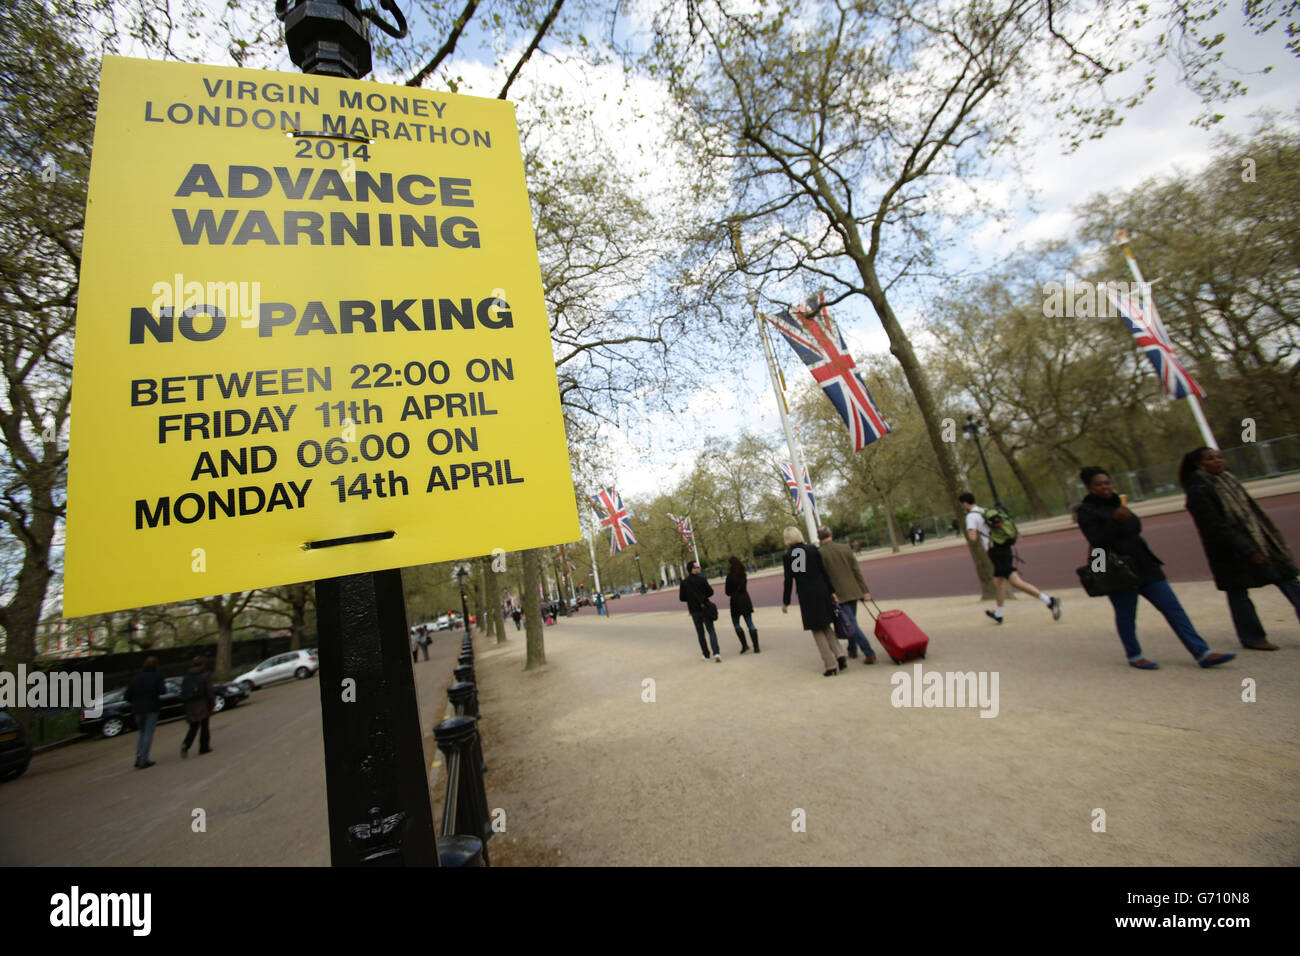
[
  {"x": 1117, "y": 577},
  {"x": 711, "y": 609},
  {"x": 843, "y": 622}
]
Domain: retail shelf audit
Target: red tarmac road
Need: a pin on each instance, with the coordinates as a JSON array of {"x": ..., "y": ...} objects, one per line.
[{"x": 1049, "y": 562}]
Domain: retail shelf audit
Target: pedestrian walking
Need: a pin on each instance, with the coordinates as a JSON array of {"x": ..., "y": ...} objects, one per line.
[
  {"x": 846, "y": 580},
  {"x": 805, "y": 571},
  {"x": 200, "y": 699},
  {"x": 1111, "y": 528},
  {"x": 518, "y": 616},
  {"x": 1243, "y": 545},
  {"x": 696, "y": 591},
  {"x": 144, "y": 693},
  {"x": 995, "y": 531},
  {"x": 737, "y": 588}
]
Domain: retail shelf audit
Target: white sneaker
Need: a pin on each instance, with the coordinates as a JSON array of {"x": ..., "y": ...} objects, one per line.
[
  {"x": 718, "y": 658},
  {"x": 705, "y": 658}
]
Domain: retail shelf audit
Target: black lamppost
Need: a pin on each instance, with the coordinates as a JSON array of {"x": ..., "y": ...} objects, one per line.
[
  {"x": 377, "y": 793},
  {"x": 331, "y": 37},
  {"x": 460, "y": 573},
  {"x": 640, "y": 576},
  {"x": 972, "y": 430}
]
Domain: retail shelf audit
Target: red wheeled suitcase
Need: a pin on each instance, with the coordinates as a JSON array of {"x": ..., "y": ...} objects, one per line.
[{"x": 901, "y": 638}]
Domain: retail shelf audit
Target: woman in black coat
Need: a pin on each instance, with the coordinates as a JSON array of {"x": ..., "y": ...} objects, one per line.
[
  {"x": 737, "y": 588},
  {"x": 696, "y": 591},
  {"x": 1112, "y": 529},
  {"x": 805, "y": 570},
  {"x": 1244, "y": 547}
]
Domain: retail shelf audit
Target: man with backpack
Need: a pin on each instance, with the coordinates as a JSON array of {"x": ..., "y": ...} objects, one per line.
[
  {"x": 994, "y": 528},
  {"x": 196, "y": 691}
]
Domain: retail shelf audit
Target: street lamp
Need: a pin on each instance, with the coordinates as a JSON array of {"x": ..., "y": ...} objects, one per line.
[
  {"x": 459, "y": 573},
  {"x": 331, "y": 37},
  {"x": 972, "y": 430},
  {"x": 637, "y": 555}
]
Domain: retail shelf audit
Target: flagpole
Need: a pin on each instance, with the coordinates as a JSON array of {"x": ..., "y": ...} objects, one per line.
[
  {"x": 595, "y": 571},
  {"x": 1197, "y": 412},
  {"x": 796, "y": 455}
]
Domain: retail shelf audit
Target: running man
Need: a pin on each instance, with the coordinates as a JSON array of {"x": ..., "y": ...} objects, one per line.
[{"x": 978, "y": 529}]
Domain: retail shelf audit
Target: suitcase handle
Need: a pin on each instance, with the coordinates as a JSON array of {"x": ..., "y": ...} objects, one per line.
[{"x": 873, "y": 601}]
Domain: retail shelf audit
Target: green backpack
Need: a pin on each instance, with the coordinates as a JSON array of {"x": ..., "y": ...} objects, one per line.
[{"x": 1002, "y": 530}]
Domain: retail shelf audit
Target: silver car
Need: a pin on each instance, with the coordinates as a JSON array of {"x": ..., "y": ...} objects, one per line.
[{"x": 299, "y": 664}]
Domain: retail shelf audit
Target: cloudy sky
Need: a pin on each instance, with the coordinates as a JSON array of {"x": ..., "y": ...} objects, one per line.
[
  {"x": 1156, "y": 139},
  {"x": 652, "y": 449}
]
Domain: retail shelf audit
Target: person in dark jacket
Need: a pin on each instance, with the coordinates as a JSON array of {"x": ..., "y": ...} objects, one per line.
[
  {"x": 144, "y": 693},
  {"x": 805, "y": 570},
  {"x": 696, "y": 591},
  {"x": 737, "y": 588},
  {"x": 200, "y": 699},
  {"x": 1115, "y": 530},
  {"x": 1243, "y": 545},
  {"x": 846, "y": 579}
]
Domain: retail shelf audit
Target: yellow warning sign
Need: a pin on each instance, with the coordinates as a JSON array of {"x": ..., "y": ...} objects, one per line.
[{"x": 311, "y": 338}]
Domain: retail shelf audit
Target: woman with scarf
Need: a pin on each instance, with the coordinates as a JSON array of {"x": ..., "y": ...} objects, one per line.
[
  {"x": 805, "y": 570},
  {"x": 1113, "y": 530},
  {"x": 1243, "y": 546}
]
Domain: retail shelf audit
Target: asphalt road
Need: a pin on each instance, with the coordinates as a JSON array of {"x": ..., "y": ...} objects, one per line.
[
  {"x": 261, "y": 790},
  {"x": 1049, "y": 562}
]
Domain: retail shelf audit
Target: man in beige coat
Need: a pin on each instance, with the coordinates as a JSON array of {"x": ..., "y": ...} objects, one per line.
[{"x": 846, "y": 578}]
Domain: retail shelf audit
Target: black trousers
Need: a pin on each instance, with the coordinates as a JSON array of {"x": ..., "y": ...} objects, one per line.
[
  {"x": 205, "y": 738},
  {"x": 700, "y": 625}
]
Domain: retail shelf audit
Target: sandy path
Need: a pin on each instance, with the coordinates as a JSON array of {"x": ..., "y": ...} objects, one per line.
[{"x": 712, "y": 771}]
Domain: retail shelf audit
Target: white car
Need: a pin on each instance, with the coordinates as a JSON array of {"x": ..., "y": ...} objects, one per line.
[{"x": 299, "y": 664}]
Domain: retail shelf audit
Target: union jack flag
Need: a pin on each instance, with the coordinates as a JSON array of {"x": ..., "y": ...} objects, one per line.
[
  {"x": 620, "y": 530},
  {"x": 797, "y": 492},
  {"x": 683, "y": 527},
  {"x": 817, "y": 340},
  {"x": 1152, "y": 340}
]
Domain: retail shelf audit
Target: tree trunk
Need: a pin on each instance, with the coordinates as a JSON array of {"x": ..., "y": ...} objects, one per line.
[
  {"x": 22, "y": 615},
  {"x": 495, "y": 621},
  {"x": 1068, "y": 491},
  {"x": 535, "y": 638},
  {"x": 1035, "y": 500},
  {"x": 891, "y": 525},
  {"x": 225, "y": 637},
  {"x": 901, "y": 348},
  {"x": 299, "y": 623}
]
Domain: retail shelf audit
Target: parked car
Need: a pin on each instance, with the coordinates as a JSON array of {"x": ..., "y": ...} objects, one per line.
[
  {"x": 15, "y": 749},
  {"x": 117, "y": 718},
  {"x": 300, "y": 664}
]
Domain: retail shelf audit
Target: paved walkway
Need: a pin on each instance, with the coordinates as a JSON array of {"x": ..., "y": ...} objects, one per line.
[{"x": 716, "y": 768}]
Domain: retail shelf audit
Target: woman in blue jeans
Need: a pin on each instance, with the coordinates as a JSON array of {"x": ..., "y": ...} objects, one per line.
[{"x": 1109, "y": 525}]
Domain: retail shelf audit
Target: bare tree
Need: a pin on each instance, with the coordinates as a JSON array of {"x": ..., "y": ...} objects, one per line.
[
  {"x": 837, "y": 133},
  {"x": 48, "y": 104}
]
